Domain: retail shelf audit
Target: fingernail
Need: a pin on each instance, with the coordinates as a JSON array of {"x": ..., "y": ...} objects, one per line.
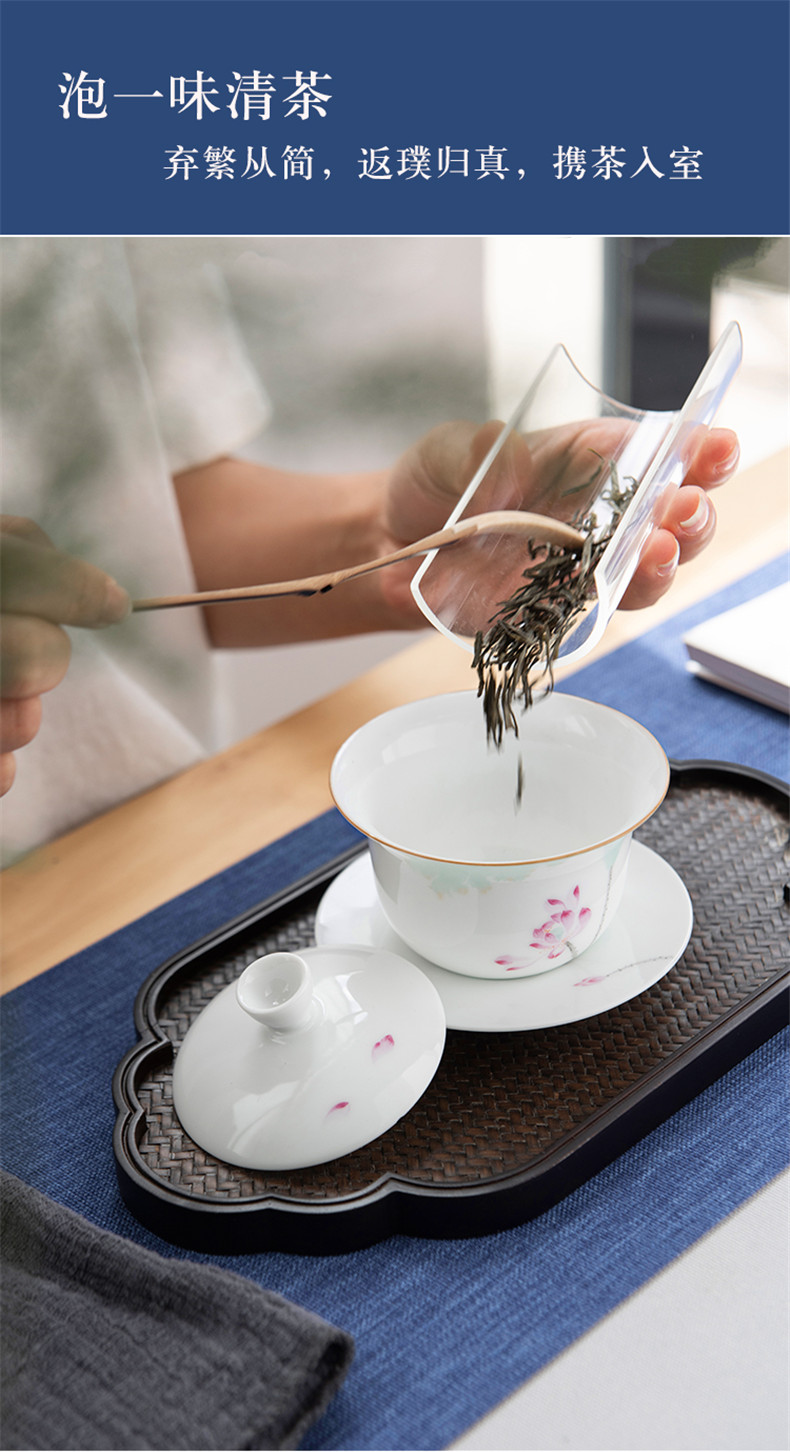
[
  {"x": 729, "y": 464},
  {"x": 664, "y": 571},
  {"x": 117, "y": 603},
  {"x": 697, "y": 521}
]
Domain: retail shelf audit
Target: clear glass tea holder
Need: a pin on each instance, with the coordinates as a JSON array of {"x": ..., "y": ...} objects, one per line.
[{"x": 567, "y": 452}]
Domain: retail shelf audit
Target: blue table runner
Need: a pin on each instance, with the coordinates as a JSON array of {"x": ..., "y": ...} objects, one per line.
[{"x": 444, "y": 1329}]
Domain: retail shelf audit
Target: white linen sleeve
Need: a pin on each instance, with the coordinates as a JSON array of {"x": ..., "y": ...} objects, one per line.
[{"x": 207, "y": 396}]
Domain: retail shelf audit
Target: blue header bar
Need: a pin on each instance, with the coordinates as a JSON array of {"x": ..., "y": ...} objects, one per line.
[{"x": 211, "y": 117}]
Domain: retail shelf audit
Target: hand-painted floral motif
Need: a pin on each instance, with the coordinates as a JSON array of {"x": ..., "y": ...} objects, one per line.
[
  {"x": 383, "y": 1046},
  {"x": 555, "y": 935},
  {"x": 602, "y": 977}
]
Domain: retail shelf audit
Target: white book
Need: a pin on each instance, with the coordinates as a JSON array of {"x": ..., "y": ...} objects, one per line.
[{"x": 747, "y": 649}]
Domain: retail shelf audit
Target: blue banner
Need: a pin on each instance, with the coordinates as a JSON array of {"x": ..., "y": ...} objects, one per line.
[{"x": 395, "y": 117}]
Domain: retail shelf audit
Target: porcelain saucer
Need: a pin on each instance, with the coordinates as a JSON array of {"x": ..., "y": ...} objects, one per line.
[{"x": 646, "y": 939}]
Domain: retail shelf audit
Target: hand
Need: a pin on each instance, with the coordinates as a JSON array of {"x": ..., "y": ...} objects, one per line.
[
  {"x": 547, "y": 474},
  {"x": 41, "y": 590}
]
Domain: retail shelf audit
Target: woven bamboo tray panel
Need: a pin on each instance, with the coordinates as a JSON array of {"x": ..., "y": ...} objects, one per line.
[{"x": 503, "y": 1104}]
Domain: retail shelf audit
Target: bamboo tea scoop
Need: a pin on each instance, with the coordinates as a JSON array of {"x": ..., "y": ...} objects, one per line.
[{"x": 532, "y": 526}]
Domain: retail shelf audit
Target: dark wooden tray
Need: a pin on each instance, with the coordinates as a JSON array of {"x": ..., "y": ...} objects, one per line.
[{"x": 512, "y": 1122}]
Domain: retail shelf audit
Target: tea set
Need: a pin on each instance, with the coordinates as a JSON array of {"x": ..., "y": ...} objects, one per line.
[{"x": 476, "y": 907}]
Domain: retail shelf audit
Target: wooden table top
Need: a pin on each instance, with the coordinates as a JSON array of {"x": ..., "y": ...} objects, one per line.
[{"x": 91, "y": 881}]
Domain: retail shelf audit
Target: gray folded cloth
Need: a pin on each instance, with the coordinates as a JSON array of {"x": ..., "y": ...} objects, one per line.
[{"x": 106, "y": 1345}]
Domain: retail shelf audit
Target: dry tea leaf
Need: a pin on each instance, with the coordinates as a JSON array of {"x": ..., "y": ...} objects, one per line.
[{"x": 523, "y": 639}]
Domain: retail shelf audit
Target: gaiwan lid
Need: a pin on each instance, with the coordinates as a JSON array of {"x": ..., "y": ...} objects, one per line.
[{"x": 308, "y": 1056}]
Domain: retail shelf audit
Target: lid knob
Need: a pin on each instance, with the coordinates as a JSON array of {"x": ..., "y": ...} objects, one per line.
[{"x": 277, "y": 990}]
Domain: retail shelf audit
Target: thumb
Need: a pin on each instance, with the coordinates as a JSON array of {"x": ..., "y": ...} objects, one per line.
[{"x": 51, "y": 585}]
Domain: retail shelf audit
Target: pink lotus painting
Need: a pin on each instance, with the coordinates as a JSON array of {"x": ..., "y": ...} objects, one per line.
[{"x": 551, "y": 939}]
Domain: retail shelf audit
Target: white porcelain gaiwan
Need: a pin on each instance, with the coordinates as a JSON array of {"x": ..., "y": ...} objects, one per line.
[
  {"x": 308, "y": 1056},
  {"x": 469, "y": 876}
]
